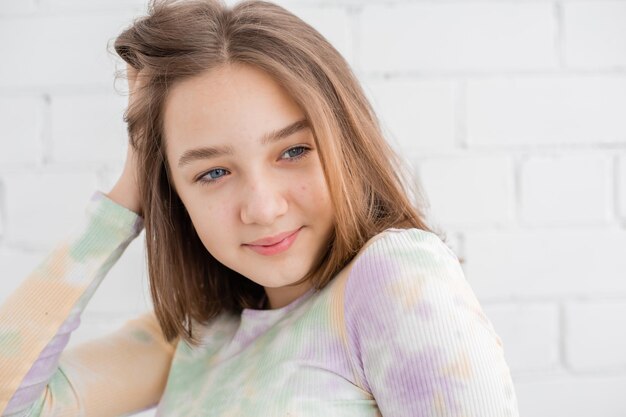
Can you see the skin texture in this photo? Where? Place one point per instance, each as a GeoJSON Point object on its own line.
{"type": "Point", "coordinates": [261, 190]}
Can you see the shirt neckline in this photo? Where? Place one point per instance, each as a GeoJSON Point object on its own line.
{"type": "Point", "coordinates": [255, 312]}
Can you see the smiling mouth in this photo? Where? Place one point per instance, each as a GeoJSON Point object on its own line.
{"type": "Point", "coordinates": [275, 248]}
{"type": "Point", "coordinates": [272, 240]}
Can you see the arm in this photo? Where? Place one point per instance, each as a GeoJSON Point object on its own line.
{"type": "Point", "coordinates": [37, 319]}
{"type": "Point", "coordinates": [423, 345]}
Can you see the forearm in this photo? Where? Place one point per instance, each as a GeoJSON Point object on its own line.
{"type": "Point", "coordinates": [36, 314]}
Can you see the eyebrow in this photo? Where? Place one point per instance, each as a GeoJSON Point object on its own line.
{"type": "Point", "coordinates": [208, 152]}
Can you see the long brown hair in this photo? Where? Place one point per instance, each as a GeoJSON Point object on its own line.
{"type": "Point", "coordinates": [368, 183]}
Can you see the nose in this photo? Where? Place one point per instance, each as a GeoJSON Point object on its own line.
{"type": "Point", "coordinates": [262, 202]}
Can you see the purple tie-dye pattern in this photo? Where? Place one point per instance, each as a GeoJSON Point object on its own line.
{"type": "Point", "coordinates": [419, 333]}
{"type": "Point", "coordinates": [42, 370]}
{"type": "Point", "coordinates": [423, 368]}
{"type": "Point", "coordinates": [397, 333]}
{"type": "Point", "coordinates": [55, 283]}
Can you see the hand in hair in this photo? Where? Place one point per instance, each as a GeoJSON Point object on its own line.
{"type": "Point", "coordinates": [126, 190]}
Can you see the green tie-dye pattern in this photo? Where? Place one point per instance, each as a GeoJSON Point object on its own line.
{"type": "Point", "coordinates": [95, 243]}
{"type": "Point", "coordinates": [142, 336]}
{"type": "Point", "coordinates": [299, 361]}
{"type": "Point", "coordinates": [278, 374]}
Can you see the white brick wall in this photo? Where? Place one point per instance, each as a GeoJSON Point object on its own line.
{"type": "Point", "coordinates": [22, 121]}
{"type": "Point", "coordinates": [620, 187]}
{"type": "Point", "coordinates": [595, 35]}
{"type": "Point", "coordinates": [470, 191]}
{"type": "Point", "coordinates": [455, 37]}
{"type": "Point", "coordinates": [546, 110]}
{"type": "Point", "coordinates": [512, 114]}
{"type": "Point", "coordinates": [559, 264]}
{"type": "Point", "coordinates": [417, 114]}
{"type": "Point", "coordinates": [561, 190]}
{"type": "Point", "coordinates": [606, 353]}
{"type": "Point", "coordinates": [529, 331]}
{"type": "Point", "coordinates": [86, 129]}
{"type": "Point", "coordinates": [573, 395]}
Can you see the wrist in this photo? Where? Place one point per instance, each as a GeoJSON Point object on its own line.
{"type": "Point", "coordinates": [126, 195]}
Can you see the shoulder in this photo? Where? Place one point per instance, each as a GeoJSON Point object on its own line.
{"type": "Point", "coordinates": [401, 270]}
{"type": "Point", "coordinates": [397, 282]}
{"type": "Point", "coordinates": [414, 326]}
{"type": "Point", "coordinates": [404, 271]}
{"type": "Point", "coordinates": [408, 239]}
{"type": "Point", "coordinates": [398, 251]}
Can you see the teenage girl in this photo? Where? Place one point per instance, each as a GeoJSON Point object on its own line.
{"type": "Point", "coordinates": [291, 270]}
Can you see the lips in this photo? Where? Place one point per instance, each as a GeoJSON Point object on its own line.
{"type": "Point", "coordinates": [272, 240]}
{"type": "Point", "coordinates": [279, 247]}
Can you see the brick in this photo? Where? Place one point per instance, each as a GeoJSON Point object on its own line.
{"type": "Point", "coordinates": [595, 34]}
{"type": "Point", "coordinates": [597, 322]}
{"type": "Point", "coordinates": [572, 396]}
{"type": "Point", "coordinates": [8, 7]}
{"type": "Point", "coordinates": [540, 110]}
{"type": "Point", "coordinates": [539, 263]}
{"type": "Point", "coordinates": [22, 121]}
{"type": "Point", "coordinates": [621, 185]}
{"type": "Point", "coordinates": [457, 37]}
{"type": "Point", "coordinates": [530, 334]}
{"type": "Point", "coordinates": [46, 54]}
{"type": "Point", "coordinates": [332, 22]}
{"type": "Point", "coordinates": [137, 6]}
{"type": "Point", "coordinates": [468, 191]}
{"type": "Point", "coordinates": [565, 190]}
{"type": "Point", "coordinates": [41, 206]}
{"type": "Point", "coordinates": [88, 128]}
{"type": "Point", "coordinates": [417, 115]}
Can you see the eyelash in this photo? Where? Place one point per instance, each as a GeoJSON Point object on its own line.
{"type": "Point", "coordinates": [203, 181]}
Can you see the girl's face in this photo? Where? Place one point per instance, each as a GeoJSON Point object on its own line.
{"type": "Point", "coordinates": [245, 164]}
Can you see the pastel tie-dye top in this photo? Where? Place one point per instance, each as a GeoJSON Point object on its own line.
{"type": "Point", "coordinates": [398, 332]}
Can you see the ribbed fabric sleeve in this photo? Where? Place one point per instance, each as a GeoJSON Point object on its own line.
{"type": "Point", "coordinates": [422, 344]}
{"type": "Point", "coordinates": [36, 377]}
{"type": "Point", "coordinates": [398, 332]}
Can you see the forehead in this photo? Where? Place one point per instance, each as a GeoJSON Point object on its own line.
{"type": "Point", "coordinates": [227, 105]}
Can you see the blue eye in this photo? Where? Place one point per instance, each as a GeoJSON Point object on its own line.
{"type": "Point", "coordinates": [211, 176]}
{"type": "Point", "coordinates": [297, 152]}
{"type": "Point", "coordinates": [215, 174]}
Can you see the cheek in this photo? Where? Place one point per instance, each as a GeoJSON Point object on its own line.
{"type": "Point", "coordinates": [210, 218]}
{"type": "Point", "coordinates": [214, 230]}
{"type": "Point", "coordinates": [313, 193]}
{"type": "Point", "coordinates": [305, 190]}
